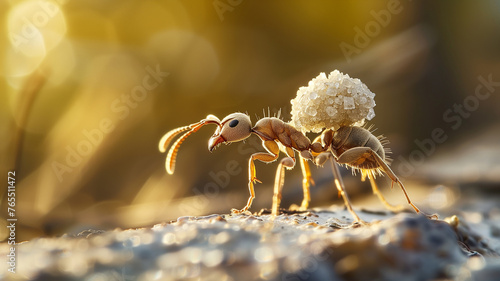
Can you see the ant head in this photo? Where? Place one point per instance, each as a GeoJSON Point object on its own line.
{"type": "Point", "coordinates": [234, 127]}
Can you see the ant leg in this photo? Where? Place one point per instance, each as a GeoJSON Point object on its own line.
{"type": "Point", "coordinates": [320, 159]}
{"type": "Point", "coordinates": [357, 153]}
{"type": "Point", "coordinates": [289, 163]}
{"type": "Point", "coordinates": [271, 156]}
{"type": "Point", "coordinates": [306, 183]}
{"type": "Point", "coordinates": [394, 178]}
{"type": "Point", "coordinates": [339, 183]}
{"type": "Point", "coordinates": [377, 192]}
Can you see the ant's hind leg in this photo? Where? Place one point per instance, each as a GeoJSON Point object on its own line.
{"type": "Point", "coordinates": [355, 154]}
{"type": "Point", "coordinates": [394, 178]}
{"type": "Point", "coordinates": [376, 191]}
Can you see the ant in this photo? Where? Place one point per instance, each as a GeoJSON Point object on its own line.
{"type": "Point", "coordinates": [352, 146]}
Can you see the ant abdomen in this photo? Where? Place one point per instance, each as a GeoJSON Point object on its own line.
{"type": "Point", "coordinates": [349, 137]}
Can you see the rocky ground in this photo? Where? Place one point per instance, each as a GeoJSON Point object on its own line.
{"type": "Point", "coordinates": [321, 244]}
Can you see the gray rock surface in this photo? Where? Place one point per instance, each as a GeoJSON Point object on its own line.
{"type": "Point", "coordinates": [315, 245]}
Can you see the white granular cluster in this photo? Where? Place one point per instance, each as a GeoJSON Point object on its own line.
{"type": "Point", "coordinates": [331, 102]}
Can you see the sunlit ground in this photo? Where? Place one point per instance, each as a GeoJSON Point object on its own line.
{"type": "Point", "coordinates": [89, 87]}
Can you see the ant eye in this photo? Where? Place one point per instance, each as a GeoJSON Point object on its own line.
{"type": "Point", "coordinates": [233, 123]}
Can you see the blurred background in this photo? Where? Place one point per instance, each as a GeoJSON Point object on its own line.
{"type": "Point", "coordinates": [88, 88]}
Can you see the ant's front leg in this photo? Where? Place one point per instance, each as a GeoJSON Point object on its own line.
{"type": "Point", "coordinates": [273, 151]}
